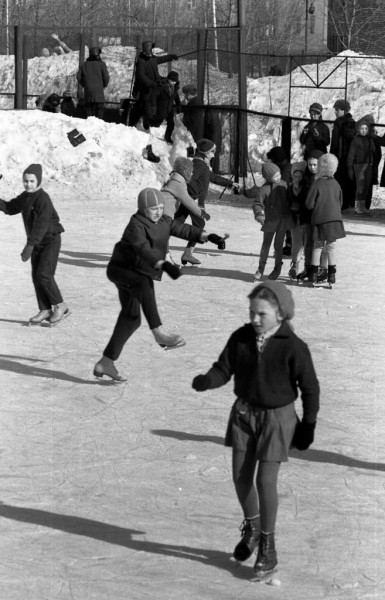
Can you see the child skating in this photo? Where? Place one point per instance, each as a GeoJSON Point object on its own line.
{"type": "Point", "coordinates": [43, 229]}
{"type": "Point", "coordinates": [270, 364]}
{"type": "Point", "coordinates": [271, 209]}
{"type": "Point", "coordinates": [325, 201]}
{"type": "Point", "coordinates": [137, 260]}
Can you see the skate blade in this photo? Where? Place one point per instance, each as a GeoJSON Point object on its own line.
{"type": "Point", "coordinates": [178, 345]}
{"type": "Point", "coordinates": [268, 578]}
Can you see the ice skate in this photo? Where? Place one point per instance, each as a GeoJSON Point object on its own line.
{"type": "Point", "coordinates": [60, 312]}
{"type": "Point", "coordinates": [276, 272]}
{"type": "Point", "coordinates": [43, 315]}
{"type": "Point", "coordinates": [322, 277]}
{"type": "Point", "coordinates": [266, 563]}
{"type": "Point", "coordinates": [331, 276]}
{"type": "Point", "coordinates": [250, 532]}
{"type": "Point", "coordinates": [187, 257]}
{"type": "Point", "coordinates": [168, 341]}
{"type": "Point", "coordinates": [293, 271]}
{"type": "Point", "coordinates": [105, 367]}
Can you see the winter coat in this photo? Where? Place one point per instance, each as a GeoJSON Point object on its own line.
{"type": "Point", "coordinates": [324, 199]}
{"type": "Point", "coordinates": [166, 98]}
{"type": "Point", "coordinates": [144, 243]}
{"type": "Point", "coordinates": [270, 379]}
{"type": "Point", "coordinates": [297, 206]}
{"type": "Point", "coordinates": [175, 193]}
{"type": "Point", "coordinates": [146, 72]}
{"type": "Point", "coordinates": [343, 132]}
{"type": "Point", "coordinates": [198, 186]}
{"type": "Point", "coordinates": [361, 151]}
{"type": "Point", "coordinates": [41, 221]}
{"type": "Point", "coordinates": [272, 201]}
{"type": "Point", "coordinates": [312, 141]}
{"type": "Point", "coordinates": [68, 107]}
{"type": "Point", "coordinates": [193, 118]}
{"type": "Point", "coordinates": [93, 76]}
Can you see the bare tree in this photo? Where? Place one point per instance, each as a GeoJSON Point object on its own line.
{"type": "Point", "coordinates": [357, 25]}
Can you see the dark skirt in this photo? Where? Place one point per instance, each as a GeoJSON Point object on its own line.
{"type": "Point", "coordinates": [328, 232]}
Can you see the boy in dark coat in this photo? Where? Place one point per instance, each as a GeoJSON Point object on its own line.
{"type": "Point", "coordinates": [362, 157]}
{"type": "Point", "coordinates": [344, 130]}
{"type": "Point", "coordinates": [43, 229]}
{"type": "Point", "coordinates": [167, 102]}
{"type": "Point", "coordinates": [193, 117]}
{"type": "Point", "coordinates": [94, 77]}
{"type": "Point", "coordinates": [316, 134]}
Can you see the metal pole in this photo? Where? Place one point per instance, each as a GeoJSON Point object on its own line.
{"type": "Point", "coordinates": [242, 137]}
{"type": "Point", "coordinates": [25, 71]}
{"type": "Point", "coordinates": [306, 24]}
{"type": "Point", "coordinates": [18, 101]}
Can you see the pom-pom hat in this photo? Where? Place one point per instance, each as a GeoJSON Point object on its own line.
{"type": "Point", "coordinates": [149, 198]}
{"type": "Point", "coordinates": [34, 169]}
{"type": "Point", "coordinates": [283, 295]}
{"type": "Point", "coordinates": [204, 145]}
{"type": "Point", "coordinates": [269, 170]}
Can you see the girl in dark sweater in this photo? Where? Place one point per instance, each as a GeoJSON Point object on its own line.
{"type": "Point", "coordinates": [269, 364]}
{"type": "Point", "coordinates": [43, 230]}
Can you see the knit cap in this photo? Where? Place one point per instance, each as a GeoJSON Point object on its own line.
{"type": "Point", "coordinates": [149, 198]}
{"type": "Point", "coordinates": [189, 88]}
{"type": "Point", "coordinates": [269, 170]}
{"type": "Point", "coordinates": [342, 105]}
{"type": "Point", "coordinates": [315, 107]}
{"type": "Point", "coordinates": [147, 46]}
{"type": "Point", "coordinates": [204, 145]}
{"type": "Point", "coordinates": [327, 165]}
{"type": "Point", "coordinates": [277, 154]}
{"type": "Point", "coordinates": [35, 169]}
{"type": "Point", "coordinates": [95, 51]}
{"type": "Point", "coordinates": [173, 76]}
{"type": "Point", "coordinates": [298, 166]}
{"type": "Point", "coordinates": [316, 154]}
{"type": "Point", "coordinates": [184, 167]}
{"type": "Point", "coordinates": [283, 295]}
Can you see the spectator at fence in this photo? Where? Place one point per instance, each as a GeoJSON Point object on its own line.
{"type": "Point", "coordinates": [360, 160]}
{"type": "Point", "coordinates": [67, 105]}
{"type": "Point", "coordinates": [193, 117]}
{"type": "Point", "coordinates": [343, 132]}
{"type": "Point", "coordinates": [93, 76]}
{"type": "Point", "coordinates": [48, 103]}
{"type": "Point", "coordinates": [147, 80]}
{"type": "Point", "coordinates": [316, 134]}
{"type": "Point", "coordinates": [167, 102]}
{"type": "Point", "coordinates": [277, 155]}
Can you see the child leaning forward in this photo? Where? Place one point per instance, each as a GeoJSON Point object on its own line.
{"type": "Point", "coordinates": [269, 364]}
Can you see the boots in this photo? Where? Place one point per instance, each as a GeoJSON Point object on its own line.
{"type": "Point", "coordinates": [303, 275]}
{"type": "Point", "coordinates": [60, 312]}
{"type": "Point", "coordinates": [358, 208]}
{"type": "Point", "coordinates": [259, 273]}
{"type": "Point", "coordinates": [167, 340]}
{"type": "Point", "coordinates": [276, 271]}
{"type": "Point", "coordinates": [267, 556]}
{"type": "Point", "coordinates": [332, 275]}
{"type": "Point", "coordinates": [187, 257]}
{"type": "Point", "coordinates": [313, 272]}
{"type": "Point", "coordinates": [105, 366]}
{"type": "Point", "coordinates": [293, 270]}
{"type": "Point", "coordinates": [250, 532]}
{"type": "Point", "coordinates": [151, 156]}
{"type": "Point", "coordinates": [322, 275]}
{"type": "Point", "coordinates": [40, 317]}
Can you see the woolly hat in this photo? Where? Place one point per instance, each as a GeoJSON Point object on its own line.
{"type": "Point", "coordinates": [205, 145]}
{"type": "Point", "coordinates": [173, 76]}
{"type": "Point", "coordinates": [35, 169]}
{"type": "Point", "coordinates": [95, 51]}
{"type": "Point", "coordinates": [147, 46]}
{"type": "Point", "coordinates": [315, 107]}
{"type": "Point", "coordinates": [327, 165]}
{"type": "Point", "coordinates": [269, 170]}
{"type": "Point", "coordinates": [342, 105]}
{"type": "Point", "coordinates": [316, 153]}
{"type": "Point", "coordinates": [277, 154]}
{"type": "Point", "coordinates": [149, 198]}
{"type": "Point", "coordinates": [184, 167]}
{"type": "Point", "coordinates": [189, 89]}
{"type": "Point", "coordinates": [366, 120]}
{"type": "Point", "coordinates": [283, 295]}
{"type": "Point", "coordinates": [298, 166]}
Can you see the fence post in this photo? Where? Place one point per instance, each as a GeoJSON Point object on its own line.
{"type": "Point", "coordinates": [18, 101]}
{"type": "Point", "coordinates": [81, 61]}
{"type": "Point", "coordinates": [242, 138]}
{"type": "Point", "coordinates": [286, 135]}
{"type": "Point", "coordinates": [25, 71]}
{"type": "Point", "coordinates": [201, 65]}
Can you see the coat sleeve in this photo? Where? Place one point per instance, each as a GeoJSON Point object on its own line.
{"type": "Point", "coordinates": [142, 77]}
{"type": "Point", "coordinates": [13, 207]}
{"type": "Point", "coordinates": [186, 232]}
{"type": "Point", "coordinates": [42, 208]}
{"type": "Point", "coordinates": [223, 369]}
{"type": "Point", "coordinates": [311, 197]}
{"type": "Point", "coordinates": [180, 192]}
{"type": "Point", "coordinates": [258, 205]}
{"type": "Point", "coordinates": [80, 76]}
{"type": "Point", "coordinates": [105, 75]}
{"type": "Point", "coordinates": [219, 180]}
{"type": "Point", "coordinates": [308, 384]}
{"type": "Point", "coordinates": [351, 154]}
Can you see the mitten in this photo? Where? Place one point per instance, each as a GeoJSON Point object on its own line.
{"type": "Point", "coordinates": [26, 253]}
{"type": "Point", "coordinates": [217, 240]}
{"type": "Point", "coordinates": [205, 215]}
{"type": "Point", "coordinates": [201, 383]}
{"type": "Point", "coordinates": [303, 435]}
{"type": "Point", "coordinates": [172, 270]}
{"type": "Point", "coordinates": [351, 173]}
{"type": "Point", "coordinates": [260, 219]}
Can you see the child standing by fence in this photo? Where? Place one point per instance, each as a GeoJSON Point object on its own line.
{"type": "Point", "coordinates": [269, 364]}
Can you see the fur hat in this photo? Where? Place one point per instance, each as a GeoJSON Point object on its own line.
{"type": "Point", "coordinates": [298, 166]}
{"type": "Point", "coordinates": [95, 51]}
{"type": "Point", "coordinates": [189, 89]}
{"type": "Point", "coordinates": [277, 154]}
{"type": "Point", "coordinates": [149, 198]}
{"type": "Point", "coordinates": [315, 107]}
{"type": "Point", "coordinates": [269, 170]}
{"type": "Point", "coordinates": [184, 167]}
{"type": "Point", "coordinates": [342, 105]}
{"type": "Point", "coordinates": [316, 153]}
{"type": "Point", "coordinates": [366, 120]}
{"type": "Point", "coordinates": [173, 76]}
{"type": "Point", "coordinates": [327, 165]}
{"type": "Point", "coordinates": [147, 46]}
{"type": "Point", "coordinates": [204, 145]}
{"type": "Point", "coordinates": [35, 169]}
{"type": "Point", "coordinates": [283, 295]}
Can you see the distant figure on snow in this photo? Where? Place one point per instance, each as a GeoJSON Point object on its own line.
{"type": "Point", "coordinates": [94, 77]}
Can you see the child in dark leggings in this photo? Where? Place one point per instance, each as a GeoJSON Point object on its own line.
{"type": "Point", "coordinates": [269, 364]}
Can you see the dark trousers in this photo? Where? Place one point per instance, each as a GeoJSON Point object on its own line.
{"type": "Point", "coordinates": [348, 186]}
{"type": "Point", "coordinates": [95, 109]}
{"type": "Point", "coordinates": [135, 291]}
{"type": "Point", "coordinates": [181, 215]}
{"type": "Point", "coordinates": [44, 261]}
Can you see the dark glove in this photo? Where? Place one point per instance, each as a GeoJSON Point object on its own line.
{"type": "Point", "coordinates": [26, 254]}
{"type": "Point", "coordinates": [201, 383]}
{"type": "Point", "coordinates": [303, 435]}
{"type": "Point", "coordinates": [351, 173]}
{"type": "Point", "coordinates": [2, 205]}
{"type": "Point", "coordinates": [174, 57]}
{"type": "Point", "coordinates": [205, 215]}
{"type": "Point", "coordinates": [172, 270]}
{"type": "Point", "coordinates": [217, 240]}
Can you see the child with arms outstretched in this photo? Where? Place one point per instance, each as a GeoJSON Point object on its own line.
{"type": "Point", "coordinates": [269, 364]}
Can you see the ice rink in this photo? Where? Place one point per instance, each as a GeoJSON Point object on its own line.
{"type": "Point", "coordinates": [124, 491]}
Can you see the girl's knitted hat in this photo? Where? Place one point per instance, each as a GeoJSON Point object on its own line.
{"type": "Point", "coordinates": [184, 167]}
{"type": "Point", "coordinates": [204, 145]}
{"type": "Point", "coordinates": [283, 295]}
{"type": "Point", "coordinates": [35, 169]}
{"type": "Point", "coordinates": [316, 107]}
{"type": "Point", "coordinates": [327, 165]}
{"type": "Point", "coordinates": [298, 166]}
{"type": "Point", "coordinates": [269, 170]}
{"type": "Point", "coordinates": [149, 198]}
